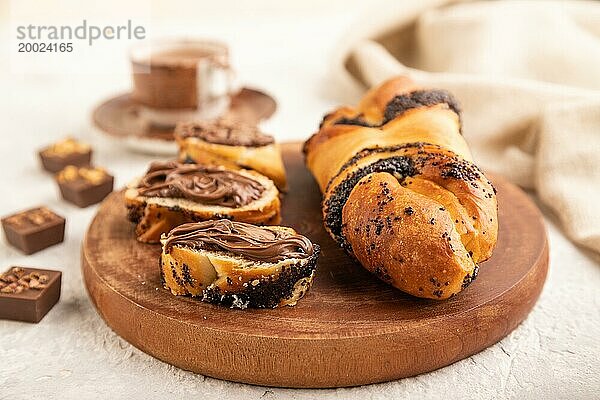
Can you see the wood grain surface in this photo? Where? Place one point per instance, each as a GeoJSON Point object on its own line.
{"type": "Point", "coordinates": [119, 116]}
{"type": "Point", "coordinates": [350, 329]}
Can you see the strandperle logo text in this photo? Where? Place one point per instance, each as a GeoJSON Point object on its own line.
{"type": "Point", "coordinates": [83, 31]}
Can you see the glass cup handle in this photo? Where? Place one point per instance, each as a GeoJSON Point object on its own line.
{"type": "Point", "coordinates": [215, 81]}
{"type": "Point", "coordinates": [234, 83]}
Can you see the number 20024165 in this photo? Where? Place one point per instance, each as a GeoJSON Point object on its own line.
{"type": "Point", "coordinates": [28, 47]}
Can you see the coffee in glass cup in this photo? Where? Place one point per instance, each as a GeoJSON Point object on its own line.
{"type": "Point", "coordinates": [181, 80]}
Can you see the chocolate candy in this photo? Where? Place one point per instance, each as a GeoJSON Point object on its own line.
{"type": "Point", "coordinates": [84, 186]}
{"type": "Point", "coordinates": [34, 229]}
{"type": "Point", "coordinates": [66, 152]}
{"type": "Point", "coordinates": [27, 294]}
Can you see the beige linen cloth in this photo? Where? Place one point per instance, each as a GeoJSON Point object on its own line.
{"type": "Point", "coordinates": [527, 74]}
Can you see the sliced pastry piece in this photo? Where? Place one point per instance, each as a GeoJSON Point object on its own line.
{"type": "Point", "coordinates": [237, 264]}
{"type": "Point", "coordinates": [231, 143]}
{"type": "Point", "coordinates": [171, 194]}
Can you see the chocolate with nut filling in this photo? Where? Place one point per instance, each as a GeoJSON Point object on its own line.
{"type": "Point", "coordinates": [226, 132]}
{"type": "Point", "coordinates": [66, 152]}
{"type": "Point", "coordinates": [27, 294]}
{"type": "Point", "coordinates": [34, 229]}
{"type": "Point", "coordinates": [84, 186]}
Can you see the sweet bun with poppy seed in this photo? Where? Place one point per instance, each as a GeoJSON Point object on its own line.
{"type": "Point", "coordinates": [172, 193]}
{"type": "Point", "coordinates": [238, 265]}
{"type": "Point", "coordinates": [400, 190]}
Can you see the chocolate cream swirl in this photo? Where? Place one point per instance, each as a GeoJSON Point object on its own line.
{"type": "Point", "coordinates": [202, 184]}
{"type": "Point", "coordinates": [250, 241]}
{"type": "Point", "coordinates": [226, 132]}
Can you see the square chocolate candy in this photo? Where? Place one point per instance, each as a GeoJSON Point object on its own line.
{"type": "Point", "coordinates": [84, 186]}
{"type": "Point", "coordinates": [66, 152]}
{"type": "Point", "coordinates": [34, 229]}
{"type": "Point", "coordinates": [27, 294]}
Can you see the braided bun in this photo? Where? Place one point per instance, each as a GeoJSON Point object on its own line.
{"type": "Point", "coordinates": [401, 192]}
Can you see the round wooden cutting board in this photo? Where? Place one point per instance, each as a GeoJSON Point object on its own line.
{"type": "Point", "coordinates": [350, 329]}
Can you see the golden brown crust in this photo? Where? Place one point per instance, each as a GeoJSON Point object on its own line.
{"type": "Point", "coordinates": [334, 145]}
{"type": "Point", "coordinates": [455, 184]}
{"type": "Point", "coordinates": [402, 149]}
{"type": "Point", "coordinates": [407, 242]}
{"type": "Point", "coordinates": [154, 216]}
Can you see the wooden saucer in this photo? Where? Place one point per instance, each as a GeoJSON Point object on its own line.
{"type": "Point", "coordinates": [350, 329]}
{"type": "Point", "coordinates": [119, 118]}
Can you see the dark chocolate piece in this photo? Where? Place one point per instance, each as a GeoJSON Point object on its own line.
{"type": "Point", "coordinates": [34, 229]}
{"type": "Point", "coordinates": [27, 294]}
{"type": "Point", "coordinates": [67, 152]}
{"type": "Point", "coordinates": [84, 186]}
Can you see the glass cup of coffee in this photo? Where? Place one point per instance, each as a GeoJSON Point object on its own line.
{"type": "Point", "coordinates": [181, 80]}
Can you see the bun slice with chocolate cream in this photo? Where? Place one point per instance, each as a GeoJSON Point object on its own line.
{"type": "Point", "coordinates": [231, 143]}
{"type": "Point", "coordinates": [237, 264]}
{"type": "Point", "coordinates": [172, 193]}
